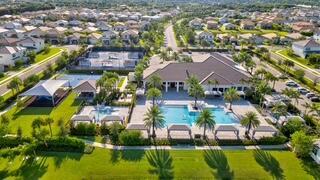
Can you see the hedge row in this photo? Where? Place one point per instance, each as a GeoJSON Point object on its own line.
{"type": "Point", "coordinates": [10, 142]}
{"type": "Point", "coordinates": [61, 145]}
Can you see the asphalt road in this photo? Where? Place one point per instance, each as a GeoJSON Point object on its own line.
{"type": "Point", "coordinates": [36, 69]}
{"type": "Point", "coordinates": [309, 74]}
{"type": "Point", "coordinates": [170, 40]}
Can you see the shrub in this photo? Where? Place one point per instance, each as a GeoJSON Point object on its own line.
{"type": "Point", "coordinates": [104, 129]}
{"type": "Point", "coordinates": [84, 129]}
{"type": "Point", "coordinates": [131, 138]}
{"type": "Point", "coordinates": [10, 142]}
{"type": "Point", "coordinates": [292, 126]}
{"type": "Point", "coordinates": [1, 74]}
{"type": "Point", "coordinates": [61, 145]}
{"type": "Point", "coordinates": [114, 131]}
{"type": "Point", "coordinates": [272, 140]}
{"type": "Point", "coordinates": [301, 143]}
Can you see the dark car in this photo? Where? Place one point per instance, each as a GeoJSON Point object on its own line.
{"type": "Point", "coordinates": [315, 99]}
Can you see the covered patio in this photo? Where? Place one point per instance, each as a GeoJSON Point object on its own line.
{"type": "Point", "coordinates": [264, 129]}
{"type": "Point", "coordinates": [227, 128]}
{"type": "Point", "coordinates": [46, 93]}
{"type": "Point", "coordinates": [86, 89]}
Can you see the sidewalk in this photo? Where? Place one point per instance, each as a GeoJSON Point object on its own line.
{"type": "Point", "coordinates": [31, 67]}
{"type": "Point", "coordinates": [188, 147]}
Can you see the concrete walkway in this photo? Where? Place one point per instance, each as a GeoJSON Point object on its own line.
{"type": "Point", "coordinates": [188, 147]}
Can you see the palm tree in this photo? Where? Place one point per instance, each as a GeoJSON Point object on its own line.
{"type": "Point", "coordinates": [263, 88]}
{"type": "Point", "coordinates": [206, 119]}
{"type": "Point", "coordinates": [49, 121]}
{"type": "Point", "coordinates": [270, 77]}
{"type": "Point", "coordinates": [169, 49]}
{"type": "Point", "coordinates": [279, 109]}
{"type": "Point", "coordinates": [292, 94]}
{"type": "Point", "coordinates": [175, 56]}
{"type": "Point", "coordinates": [314, 108]}
{"type": "Point", "coordinates": [155, 81]}
{"type": "Point", "coordinates": [154, 118]}
{"type": "Point", "coordinates": [307, 107]}
{"type": "Point", "coordinates": [153, 94]}
{"type": "Point", "coordinates": [250, 120]}
{"type": "Point", "coordinates": [213, 82]}
{"type": "Point", "coordinates": [196, 91]}
{"type": "Point", "coordinates": [15, 84]}
{"type": "Point", "coordinates": [164, 56]}
{"type": "Point", "coordinates": [231, 95]}
{"type": "Point", "coordinates": [36, 123]}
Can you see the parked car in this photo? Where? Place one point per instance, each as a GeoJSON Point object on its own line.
{"type": "Point", "coordinates": [315, 99]}
{"type": "Point", "coordinates": [310, 95]}
{"type": "Point", "coordinates": [303, 90]}
{"type": "Point", "coordinates": [291, 84]}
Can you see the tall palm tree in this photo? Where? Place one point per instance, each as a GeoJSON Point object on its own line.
{"type": "Point", "coordinates": [213, 82]}
{"type": "Point", "coordinates": [250, 120]}
{"type": "Point", "coordinates": [205, 120]}
{"type": "Point", "coordinates": [196, 91]}
{"type": "Point", "coordinates": [279, 109]}
{"type": "Point", "coordinates": [36, 123]}
{"type": "Point", "coordinates": [49, 121]}
{"type": "Point", "coordinates": [175, 56]}
{"type": "Point", "coordinates": [263, 88]}
{"type": "Point", "coordinates": [153, 94]}
{"type": "Point", "coordinates": [155, 81]}
{"type": "Point", "coordinates": [231, 95]}
{"type": "Point", "coordinates": [270, 77]}
{"type": "Point", "coordinates": [307, 108]}
{"type": "Point", "coordinates": [15, 84]}
{"type": "Point", "coordinates": [292, 94]}
{"type": "Point", "coordinates": [154, 118]}
{"type": "Point", "coordinates": [164, 56]}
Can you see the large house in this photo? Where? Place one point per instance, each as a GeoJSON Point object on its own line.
{"type": "Point", "coordinates": [10, 54]}
{"type": "Point", "coordinates": [35, 44]}
{"type": "Point", "coordinates": [306, 47]}
{"type": "Point", "coordinates": [215, 68]}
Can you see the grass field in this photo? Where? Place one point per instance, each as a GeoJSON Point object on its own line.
{"type": "Point", "coordinates": [41, 56]}
{"type": "Point", "coordinates": [113, 164]}
{"type": "Point", "coordinates": [296, 58]}
{"type": "Point", "coordinates": [24, 117]}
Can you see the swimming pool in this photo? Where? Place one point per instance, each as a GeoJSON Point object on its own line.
{"type": "Point", "coordinates": [181, 115]}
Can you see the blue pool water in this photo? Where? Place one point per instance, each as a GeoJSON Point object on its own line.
{"type": "Point", "coordinates": [181, 115]}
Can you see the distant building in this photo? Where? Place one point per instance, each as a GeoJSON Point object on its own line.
{"type": "Point", "coordinates": [306, 47]}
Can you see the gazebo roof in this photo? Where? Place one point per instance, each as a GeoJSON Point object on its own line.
{"type": "Point", "coordinates": [86, 86]}
{"type": "Point", "coordinates": [265, 129]}
{"type": "Point", "coordinates": [45, 88]}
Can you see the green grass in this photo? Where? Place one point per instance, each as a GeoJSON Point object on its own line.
{"type": "Point", "coordinates": [113, 164]}
{"type": "Point", "coordinates": [24, 117]}
{"type": "Point", "coordinates": [42, 56]}
{"type": "Point", "coordinates": [296, 58]}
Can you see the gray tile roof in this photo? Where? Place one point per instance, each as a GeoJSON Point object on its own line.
{"type": "Point", "coordinates": [215, 67]}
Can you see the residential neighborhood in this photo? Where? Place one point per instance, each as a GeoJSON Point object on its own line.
{"type": "Point", "coordinates": [182, 89]}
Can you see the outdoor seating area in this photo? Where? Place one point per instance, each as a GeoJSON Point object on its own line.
{"type": "Point", "coordinates": [47, 93]}
{"type": "Point", "coordinates": [179, 128]}
{"type": "Point", "coordinates": [226, 128]}
{"type": "Point", "coordinates": [264, 129]}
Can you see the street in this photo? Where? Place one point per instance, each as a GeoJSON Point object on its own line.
{"type": "Point", "coordinates": [170, 40]}
{"type": "Point", "coordinates": [35, 69]}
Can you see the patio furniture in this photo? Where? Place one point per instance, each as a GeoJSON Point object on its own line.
{"type": "Point", "coordinates": [227, 128]}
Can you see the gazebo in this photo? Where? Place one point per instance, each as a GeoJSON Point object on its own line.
{"type": "Point", "coordinates": [47, 90]}
{"type": "Point", "coordinates": [262, 129]}
{"type": "Point", "coordinates": [227, 128]}
{"type": "Point", "coordinates": [86, 88]}
{"type": "Point", "coordinates": [179, 127]}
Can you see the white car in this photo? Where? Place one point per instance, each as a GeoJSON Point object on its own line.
{"type": "Point", "coordinates": [291, 84]}
{"type": "Point", "coordinates": [303, 90]}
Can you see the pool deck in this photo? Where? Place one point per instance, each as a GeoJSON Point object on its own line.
{"type": "Point", "coordinates": [173, 98]}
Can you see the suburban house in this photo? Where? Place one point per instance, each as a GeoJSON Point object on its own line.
{"type": "Point", "coordinates": [4, 41]}
{"type": "Point", "coordinates": [216, 67]}
{"type": "Point", "coordinates": [103, 26]}
{"type": "Point", "coordinates": [295, 36]}
{"type": "Point", "coordinates": [205, 36]}
{"type": "Point", "coordinates": [229, 26]}
{"type": "Point", "coordinates": [265, 25]}
{"type": "Point", "coordinates": [247, 25]}
{"type": "Point", "coordinates": [316, 35]}
{"type": "Point", "coordinates": [35, 44]}
{"type": "Point", "coordinates": [252, 38]}
{"type": "Point", "coordinates": [196, 23]}
{"type": "Point", "coordinates": [107, 37]}
{"type": "Point", "coordinates": [10, 54]}
{"type": "Point", "coordinates": [302, 27]}
{"type": "Point", "coordinates": [13, 25]}
{"type": "Point", "coordinates": [94, 38]}
{"type": "Point", "coordinates": [271, 38]}
{"type": "Point", "coordinates": [38, 32]}
{"type": "Point", "coordinates": [212, 25]}
{"type": "Point", "coordinates": [129, 35]}
{"type": "Point", "coordinates": [3, 32]}
{"type": "Point", "coordinates": [120, 27]}
{"type": "Point", "coordinates": [306, 47]}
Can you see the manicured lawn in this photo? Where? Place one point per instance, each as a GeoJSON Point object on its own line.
{"type": "Point", "coordinates": [296, 58]}
{"type": "Point", "coordinates": [24, 118]}
{"type": "Point", "coordinates": [113, 164]}
{"type": "Point", "coordinates": [280, 33]}
{"type": "Point", "coordinates": [53, 51]}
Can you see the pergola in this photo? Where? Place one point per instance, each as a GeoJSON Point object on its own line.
{"type": "Point", "coordinates": [264, 129]}
{"type": "Point", "coordinates": [82, 118]}
{"type": "Point", "coordinates": [140, 127]}
{"type": "Point", "coordinates": [179, 127]}
{"type": "Point", "coordinates": [86, 87]}
{"type": "Point", "coordinates": [45, 88]}
{"type": "Point", "coordinates": [227, 128]}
